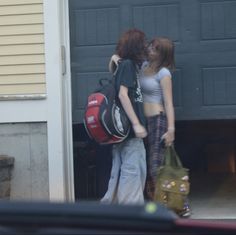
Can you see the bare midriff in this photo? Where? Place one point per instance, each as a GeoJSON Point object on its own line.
{"type": "Point", "coordinates": [152, 109]}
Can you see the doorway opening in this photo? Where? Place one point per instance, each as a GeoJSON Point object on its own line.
{"type": "Point", "coordinates": [208, 149]}
{"type": "Point", "coordinates": [92, 165]}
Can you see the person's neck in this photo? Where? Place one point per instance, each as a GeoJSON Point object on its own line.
{"type": "Point", "coordinates": [151, 68]}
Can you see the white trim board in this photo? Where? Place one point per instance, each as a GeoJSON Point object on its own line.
{"type": "Point", "coordinates": [67, 103]}
{"type": "Point", "coordinates": [58, 80]}
{"type": "Point", "coordinates": [54, 100]}
{"type": "Point", "coordinates": [23, 111]}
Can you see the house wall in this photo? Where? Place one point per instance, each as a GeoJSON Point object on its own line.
{"type": "Point", "coordinates": [21, 48]}
{"type": "Point", "coordinates": [23, 101]}
{"type": "Point", "coordinates": [27, 143]}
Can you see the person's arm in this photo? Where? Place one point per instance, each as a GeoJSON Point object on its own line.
{"type": "Point", "coordinates": [166, 84]}
{"type": "Point", "coordinates": [113, 63]}
{"type": "Point", "coordinates": [139, 130]}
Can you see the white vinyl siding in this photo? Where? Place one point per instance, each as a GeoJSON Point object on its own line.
{"type": "Point", "coordinates": [22, 62]}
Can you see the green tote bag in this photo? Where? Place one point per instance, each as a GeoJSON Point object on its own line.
{"type": "Point", "coordinates": [172, 186]}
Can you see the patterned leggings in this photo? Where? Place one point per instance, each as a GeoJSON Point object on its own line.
{"type": "Point", "coordinates": [157, 126]}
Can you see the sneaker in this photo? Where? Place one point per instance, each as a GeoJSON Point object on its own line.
{"type": "Point", "coordinates": [185, 213]}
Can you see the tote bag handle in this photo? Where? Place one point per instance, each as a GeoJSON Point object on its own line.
{"type": "Point", "coordinates": [171, 158]}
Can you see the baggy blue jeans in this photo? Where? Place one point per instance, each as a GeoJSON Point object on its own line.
{"type": "Point", "coordinates": [128, 173]}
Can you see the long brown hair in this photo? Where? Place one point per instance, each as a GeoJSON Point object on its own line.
{"type": "Point", "coordinates": [131, 45]}
{"type": "Point", "coordinates": [163, 55]}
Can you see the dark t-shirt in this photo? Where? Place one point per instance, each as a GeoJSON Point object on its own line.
{"type": "Point", "coordinates": [126, 75]}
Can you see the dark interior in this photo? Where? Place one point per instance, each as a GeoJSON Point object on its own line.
{"type": "Point", "coordinates": [203, 146]}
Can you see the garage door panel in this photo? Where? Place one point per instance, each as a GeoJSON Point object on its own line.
{"type": "Point", "coordinates": [89, 82]}
{"type": "Point", "coordinates": [91, 58]}
{"type": "Point", "coordinates": [208, 113]}
{"type": "Point", "coordinates": [215, 112]}
{"type": "Point", "coordinates": [216, 59]}
{"type": "Point", "coordinates": [219, 85]}
{"type": "Point", "coordinates": [208, 79]}
{"type": "Point", "coordinates": [204, 32]}
{"type": "Point", "coordinates": [158, 19]}
{"type": "Point", "coordinates": [177, 80]}
{"type": "Point", "coordinates": [218, 20]}
{"type": "Point", "coordinates": [96, 64]}
{"type": "Point", "coordinates": [84, 84]}
{"type": "Point", "coordinates": [105, 25]}
{"type": "Point", "coordinates": [87, 4]}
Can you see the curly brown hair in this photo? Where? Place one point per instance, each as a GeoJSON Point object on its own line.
{"type": "Point", "coordinates": [132, 45]}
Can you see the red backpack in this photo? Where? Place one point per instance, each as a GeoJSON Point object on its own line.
{"type": "Point", "coordinates": [105, 119]}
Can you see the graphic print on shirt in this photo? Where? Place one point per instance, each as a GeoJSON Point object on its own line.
{"type": "Point", "coordinates": [138, 95]}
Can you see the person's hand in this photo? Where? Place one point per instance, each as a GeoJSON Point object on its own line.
{"type": "Point", "coordinates": [139, 130]}
{"type": "Point", "coordinates": [115, 58]}
{"type": "Point", "coordinates": [169, 137]}
{"type": "Point", "coordinates": [113, 63]}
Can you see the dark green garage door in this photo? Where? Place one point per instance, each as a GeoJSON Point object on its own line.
{"type": "Point", "coordinates": [204, 33]}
